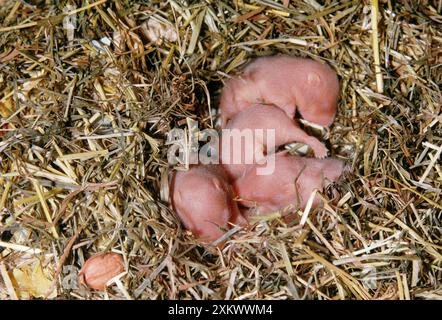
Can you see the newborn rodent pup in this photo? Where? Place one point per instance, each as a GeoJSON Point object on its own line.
{"type": "Point", "coordinates": [292, 182]}
{"type": "Point", "coordinates": [262, 117]}
{"type": "Point", "coordinates": [203, 200]}
{"type": "Point", "coordinates": [291, 83]}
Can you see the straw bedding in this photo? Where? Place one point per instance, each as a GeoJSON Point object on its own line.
{"type": "Point", "coordinates": [89, 91]}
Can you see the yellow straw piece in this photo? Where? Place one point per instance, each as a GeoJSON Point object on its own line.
{"type": "Point", "coordinates": [83, 155]}
{"type": "Point", "coordinates": [375, 39]}
{"type": "Point", "coordinates": [44, 205]}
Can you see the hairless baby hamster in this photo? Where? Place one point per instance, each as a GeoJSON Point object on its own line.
{"type": "Point", "coordinates": [203, 200]}
{"type": "Point", "coordinates": [291, 83]}
{"type": "Point", "coordinates": [265, 117]}
{"type": "Point", "coordinates": [292, 182]}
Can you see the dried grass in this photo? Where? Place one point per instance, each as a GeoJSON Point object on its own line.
{"type": "Point", "coordinates": [83, 154]}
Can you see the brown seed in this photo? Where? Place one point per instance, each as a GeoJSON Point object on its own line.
{"type": "Point", "coordinates": [99, 269]}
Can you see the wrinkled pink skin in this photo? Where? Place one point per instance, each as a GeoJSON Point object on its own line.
{"type": "Point", "coordinates": [203, 200]}
{"type": "Point", "coordinates": [293, 181]}
{"type": "Point", "coordinates": [290, 83]}
{"type": "Point", "coordinates": [265, 117]}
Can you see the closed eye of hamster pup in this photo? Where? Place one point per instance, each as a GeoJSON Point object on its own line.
{"type": "Point", "coordinates": [291, 83]}
{"type": "Point", "coordinates": [262, 117]}
{"type": "Point", "coordinates": [203, 200]}
{"type": "Point", "coordinates": [292, 182]}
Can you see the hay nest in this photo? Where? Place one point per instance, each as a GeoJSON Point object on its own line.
{"type": "Point", "coordinates": [89, 90]}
